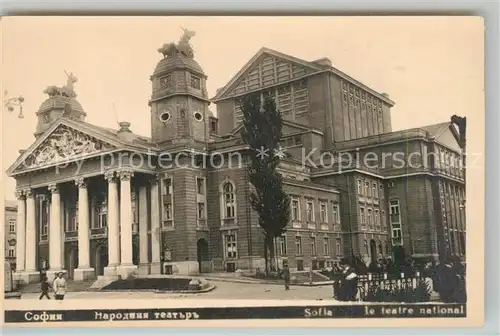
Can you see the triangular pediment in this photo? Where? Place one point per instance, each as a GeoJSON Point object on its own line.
{"type": "Point", "coordinates": [61, 143]}
{"type": "Point", "coordinates": [267, 68]}
{"type": "Point", "coordinates": [449, 137]}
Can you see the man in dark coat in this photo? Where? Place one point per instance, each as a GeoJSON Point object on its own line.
{"type": "Point", "coordinates": [45, 286]}
{"type": "Point", "coordinates": [286, 276]}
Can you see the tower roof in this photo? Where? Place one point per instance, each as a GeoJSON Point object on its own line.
{"type": "Point", "coordinates": [177, 61]}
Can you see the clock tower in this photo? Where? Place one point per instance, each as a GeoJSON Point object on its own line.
{"type": "Point", "coordinates": [179, 100]}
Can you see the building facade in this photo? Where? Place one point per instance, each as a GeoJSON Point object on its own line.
{"type": "Point", "coordinates": [10, 232]}
{"type": "Point", "coordinates": [96, 201]}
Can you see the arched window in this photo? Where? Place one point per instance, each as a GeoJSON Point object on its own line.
{"type": "Point", "coordinates": [229, 202]}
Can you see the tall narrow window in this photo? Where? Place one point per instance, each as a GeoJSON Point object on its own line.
{"type": "Point", "coordinates": [377, 218]}
{"type": "Point", "coordinates": [12, 226]}
{"type": "Point", "coordinates": [313, 245]}
{"type": "Point", "coordinates": [326, 247]}
{"type": "Point", "coordinates": [282, 245]}
{"type": "Point", "coordinates": [298, 245]}
{"type": "Point", "coordinates": [200, 186]}
{"type": "Point", "coordinates": [229, 203]}
{"type": "Point", "coordinates": [167, 211]}
{"type": "Point", "coordinates": [338, 247]}
{"type": "Point", "coordinates": [374, 190]}
{"type": "Point", "coordinates": [201, 210]}
{"type": "Point", "coordinates": [323, 212]}
{"type": "Point", "coordinates": [362, 216]}
{"type": "Point", "coordinates": [310, 210]}
{"type": "Point", "coordinates": [395, 220]}
{"type": "Point", "coordinates": [360, 191]}
{"type": "Point", "coordinates": [167, 186]}
{"type": "Point", "coordinates": [231, 250]}
{"type": "Point", "coordinates": [336, 214]}
{"type": "Point", "coordinates": [369, 217]}
{"type": "Point", "coordinates": [295, 208]}
{"type": "Point", "coordinates": [367, 188]}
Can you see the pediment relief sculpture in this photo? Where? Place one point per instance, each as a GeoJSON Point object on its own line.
{"type": "Point", "coordinates": [65, 144]}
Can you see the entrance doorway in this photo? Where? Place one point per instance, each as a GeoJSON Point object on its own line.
{"type": "Point", "coordinates": [203, 257]}
{"type": "Point", "coordinates": [101, 259]}
{"type": "Point", "coordinates": [71, 261]}
{"type": "Point", "coordinates": [373, 251]}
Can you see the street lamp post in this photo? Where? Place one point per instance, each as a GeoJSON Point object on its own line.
{"type": "Point", "coordinates": [13, 102]}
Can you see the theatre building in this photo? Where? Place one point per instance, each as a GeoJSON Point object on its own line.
{"type": "Point", "coordinates": [94, 201]}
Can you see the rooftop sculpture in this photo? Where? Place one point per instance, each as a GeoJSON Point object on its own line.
{"type": "Point", "coordinates": [182, 48]}
{"type": "Point", "coordinates": [66, 91]}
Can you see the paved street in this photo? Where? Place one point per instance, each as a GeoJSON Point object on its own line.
{"type": "Point", "coordinates": [224, 290]}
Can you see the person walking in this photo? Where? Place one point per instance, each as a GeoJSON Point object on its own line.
{"type": "Point", "coordinates": [286, 276]}
{"type": "Point", "coordinates": [45, 286]}
{"type": "Point", "coordinates": [59, 286]}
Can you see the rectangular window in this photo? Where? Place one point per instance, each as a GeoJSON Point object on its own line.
{"type": "Point", "coordinates": [298, 245]}
{"type": "Point", "coordinates": [326, 246]}
{"type": "Point", "coordinates": [395, 221]}
{"type": "Point", "coordinates": [383, 220]}
{"type": "Point", "coordinates": [167, 211]}
{"type": "Point", "coordinates": [336, 214]}
{"type": "Point", "coordinates": [362, 216]}
{"type": "Point", "coordinates": [310, 211]}
{"type": "Point", "coordinates": [394, 207]}
{"type": "Point", "coordinates": [374, 190]}
{"type": "Point", "coordinates": [323, 212]}
{"type": "Point", "coordinates": [369, 218]}
{"type": "Point", "coordinates": [200, 186]}
{"type": "Point", "coordinates": [201, 210]}
{"type": "Point", "coordinates": [367, 188]}
{"type": "Point", "coordinates": [12, 226]}
{"type": "Point", "coordinates": [295, 208]}
{"type": "Point", "coordinates": [195, 82]}
{"type": "Point", "coordinates": [282, 245]}
{"type": "Point", "coordinates": [313, 246]}
{"type": "Point", "coordinates": [167, 186]}
{"type": "Point", "coordinates": [213, 126]}
{"type": "Point", "coordinates": [230, 245]}
{"type": "Point", "coordinates": [377, 218]}
{"type": "Point", "coordinates": [338, 247]}
{"type": "Point", "coordinates": [360, 191]}
{"type": "Point", "coordinates": [12, 252]}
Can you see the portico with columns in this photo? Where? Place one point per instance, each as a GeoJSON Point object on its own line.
{"type": "Point", "coordinates": [88, 227]}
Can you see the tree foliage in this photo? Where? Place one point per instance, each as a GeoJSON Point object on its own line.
{"type": "Point", "coordinates": [262, 131]}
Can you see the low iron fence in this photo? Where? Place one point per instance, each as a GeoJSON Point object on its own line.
{"type": "Point", "coordinates": [390, 288]}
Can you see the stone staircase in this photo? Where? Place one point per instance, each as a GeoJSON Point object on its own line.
{"type": "Point", "coordinates": [102, 281]}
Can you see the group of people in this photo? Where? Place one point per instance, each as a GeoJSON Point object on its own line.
{"type": "Point", "coordinates": [58, 286]}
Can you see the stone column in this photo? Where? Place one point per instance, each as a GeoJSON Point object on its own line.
{"type": "Point", "coordinates": [20, 232]}
{"type": "Point", "coordinates": [30, 274]}
{"type": "Point", "coordinates": [84, 271]}
{"type": "Point", "coordinates": [127, 266]}
{"type": "Point", "coordinates": [55, 251]}
{"type": "Point", "coordinates": [155, 229]}
{"type": "Point", "coordinates": [113, 226]}
{"type": "Point", "coordinates": [143, 231]}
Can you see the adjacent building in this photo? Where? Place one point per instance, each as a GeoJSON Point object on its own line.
{"type": "Point", "coordinates": [10, 232]}
{"type": "Point", "coordinates": [97, 201]}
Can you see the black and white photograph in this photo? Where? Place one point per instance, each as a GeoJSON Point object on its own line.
{"type": "Point", "coordinates": [243, 168]}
